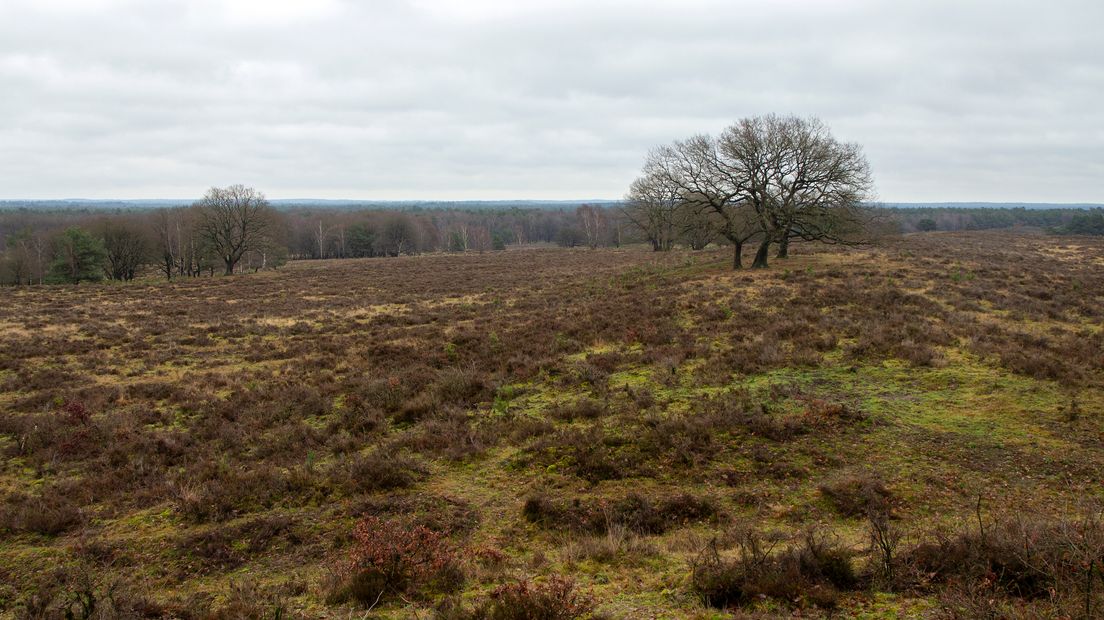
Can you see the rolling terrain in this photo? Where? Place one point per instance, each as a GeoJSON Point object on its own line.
{"type": "Point", "coordinates": [909, 430]}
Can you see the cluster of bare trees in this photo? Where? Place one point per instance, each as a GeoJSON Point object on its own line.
{"type": "Point", "coordinates": [27, 256]}
{"type": "Point", "coordinates": [232, 229]}
{"type": "Point", "coordinates": [766, 180]}
{"type": "Point", "coordinates": [321, 233]}
{"type": "Point", "coordinates": [235, 230]}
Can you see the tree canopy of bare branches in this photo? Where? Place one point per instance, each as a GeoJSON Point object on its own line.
{"type": "Point", "coordinates": [653, 207]}
{"type": "Point", "coordinates": [127, 249]}
{"type": "Point", "coordinates": [233, 221]}
{"type": "Point", "coordinates": [770, 178]}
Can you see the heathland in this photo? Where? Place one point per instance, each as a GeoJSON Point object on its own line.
{"type": "Point", "coordinates": [912, 429]}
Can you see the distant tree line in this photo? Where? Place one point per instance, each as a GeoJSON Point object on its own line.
{"type": "Point", "coordinates": [1089, 222]}
{"type": "Point", "coordinates": [235, 230]}
{"type": "Point", "coordinates": [924, 219]}
{"type": "Point", "coordinates": [327, 233]}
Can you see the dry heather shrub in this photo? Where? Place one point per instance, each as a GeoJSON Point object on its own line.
{"type": "Point", "coordinates": [453, 434]}
{"type": "Point", "coordinates": [858, 495]}
{"type": "Point", "coordinates": [452, 516]}
{"type": "Point", "coordinates": [51, 513]}
{"type": "Point", "coordinates": [249, 601]}
{"type": "Point", "coordinates": [590, 454]}
{"type": "Point", "coordinates": [216, 493]}
{"type": "Point", "coordinates": [1023, 557]}
{"type": "Point", "coordinates": [634, 512]}
{"type": "Point", "coordinates": [389, 559]}
{"type": "Point", "coordinates": [555, 599]}
{"type": "Point", "coordinates": [592, 375]}
{"type": "Point", "coordinates": [82, 592]}
{"type": "Point", "coordinates": [461, 387]}
{"type": "Point", "coordinates": [226, 547]}
{"type": "Point", "coordinates": [382, 470]}
{"type": "Point", "coordinates": [358, 417]}
{"type": "Point", "coordinates": [811, 572]}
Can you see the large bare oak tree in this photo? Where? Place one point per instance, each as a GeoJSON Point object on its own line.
{"type": "Point", "coordinates": [770, 178]}
{"type": "Point", "coordinates": [233, 221]}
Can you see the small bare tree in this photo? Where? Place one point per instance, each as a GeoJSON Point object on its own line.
{"type": "Point", "coordinates": [593, 224]}
{"type": "Point", "coordinates": [233, 221]}
{"type": "Point", "coordinates": [25, 257]}
{"type": "Point", "coordinates": [652, 207]}
{"type": "Point", "coordinates": [127, 249]}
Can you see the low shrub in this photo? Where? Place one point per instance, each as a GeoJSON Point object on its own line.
{"type": "Point", "coordinates": [1023, 556]}
{"type": "Point", "coordinates": [227, 547]}
{"type": "Point", "coordinates": [218, 492]}
{"type": "Point", "coordinates": [811, 572]}
{"type": "Point", "coordinates": [383, 470]}
{"type": "Point", "coordinates": [583, 408]}
{"type": "Point", "coordinates": [451, 516]}
{"type": "Point", "coordinates": [249, 601]}
{"type": "Point", "coordinates": [858, 495]}
{"type": "Point", "coordinates": [554, 599]}
{"type": "Point", "coordinates": [453, 434]}
{"type": "Point", "coordinates": [617, 542]}
{"type": "Point", "coordinates": [590, 454]}
{"type": "Point", "coordinates": [51, 513]}
{"type": "Point", "coordinates": [634, 512]}
{"type": "Point", "coordinates": [392, 559]}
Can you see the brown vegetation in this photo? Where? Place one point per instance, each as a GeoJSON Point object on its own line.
{"type": "Point", "coordinates": [207, 448]}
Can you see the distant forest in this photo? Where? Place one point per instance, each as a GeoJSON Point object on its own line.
{"type": "Point", "coordinates": [42, 241]}
{"type": "Point", "coordinates": [1072, 220]}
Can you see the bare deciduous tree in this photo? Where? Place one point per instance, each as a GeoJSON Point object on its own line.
{"type": "Point", "coordinates": [772, 178]}
{"type": "Point", "coordinates": [127, 249]}
{"type": "Point", "coordinates": [652, 206]}
{"type": "Point", "coordinates": [26, 257]}
{"type": "Point", "coordinates": [399, 235]}
{"type": "Point", "coordinates": [705, 186]}
{"type": "Point", "coordinates": [801, 181]}
{"type": "Point", "coordinates": [592, 223]}
{"type": "Point", "coordinates": [697, 228]}
{"type": "Point", "coordinates": [233, 221]}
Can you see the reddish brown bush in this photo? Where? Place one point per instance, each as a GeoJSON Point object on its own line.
{"type": "Point", "coordinates": [555, 599]}
{"type": "Point", "coordinates": [390, 559]}
{"type": "Point", "coordinates": [75, 413]}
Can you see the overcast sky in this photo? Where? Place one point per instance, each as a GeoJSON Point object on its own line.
{"type": "Point", "coordinates": [493, 99]}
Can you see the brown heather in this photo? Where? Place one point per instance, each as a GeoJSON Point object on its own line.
{"type": "Point", "coordinates": [913, 428]}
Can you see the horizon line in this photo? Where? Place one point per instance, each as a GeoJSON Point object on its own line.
{"type": "Point", "coordinates": [533, 200]}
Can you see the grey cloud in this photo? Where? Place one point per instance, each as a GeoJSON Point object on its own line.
{"type": "Point", "coordinates": [952, 101]}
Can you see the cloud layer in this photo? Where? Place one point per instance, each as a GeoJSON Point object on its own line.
{"type": "Point", "coordinates": [436, 99]}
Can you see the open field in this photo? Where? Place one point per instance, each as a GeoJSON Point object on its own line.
{"type": "Point", "coordinates": [639, 423]}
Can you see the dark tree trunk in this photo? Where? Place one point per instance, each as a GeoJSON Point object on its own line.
{"type": "Point", "coordinates": [737, 261]}
{"type": "Point", "coordinates": [229, 268]}
{"type": "Point", "coordinates": [784, 247]}
{"type": "Point", "coordinates": [760, 261]}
